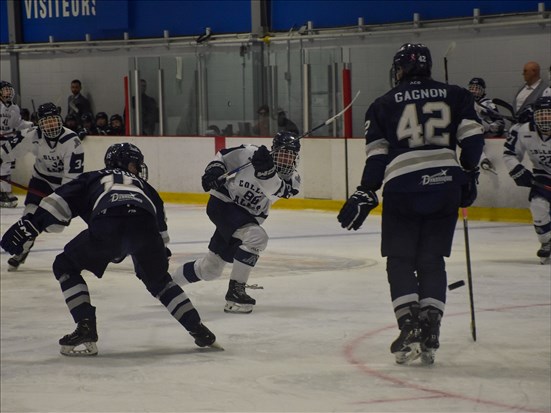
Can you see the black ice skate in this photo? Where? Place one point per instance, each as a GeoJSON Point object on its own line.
{"type": "Point", "coordinates": [237, 300]}
{"type": "Point", "coordinates": [8, 200]}
{"type": "Point", "coordinates": [545, 253]}
{"type": "Point", "coordinates": [407, 347]}
{"type": "Point", "coordinates": [85, 335]}
{"type": "Point", "coordinates": [204, 337]}
{"type": "Point", "coordinates": [430, 334]}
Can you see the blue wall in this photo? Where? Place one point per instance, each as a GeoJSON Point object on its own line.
{"type": "Point", "coordinates": [70, 20]}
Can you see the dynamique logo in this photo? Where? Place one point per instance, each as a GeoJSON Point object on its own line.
{"type": "Point", "coordinates": [124, 197]}
{"type": "Point", "coordinates": [436, 179]}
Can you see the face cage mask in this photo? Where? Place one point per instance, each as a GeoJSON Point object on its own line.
{"type": "Point", "coordinates": [542, 120]}
{"type": "Point", "coordinates": [8, 94]}
{"type": "Point", "coordinates": [143, 171]}
{"type": "Point", "coordinates": [51, 126]}
{"type": "Point", "coordinates": [285, 162]}
{"type": "Point", "coordinates": [477, 91]}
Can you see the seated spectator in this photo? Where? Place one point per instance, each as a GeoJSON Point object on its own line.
{"type": "Point", "coordinates": [71, 122]}
{"type": "Point", "coordinates": [285, 124]}
{"type": "Point", "coordinates": [87, 126]}
{"type": "Point", "coordinates": [116, 125]}
{"type": "Point", "coordinates": [262, 127]}
{"type": "Point", "coordinates": [102, 123]}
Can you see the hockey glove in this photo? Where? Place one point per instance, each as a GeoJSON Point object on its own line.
{"type": "Point", "coordinates": [522, 176]}
{"type": "Point", "coordinates": [211, 178]}
{"type": "Point", "coordinates": [263, 163]}
{"type": "Point", "coordinates": [19, 237]}
{"type": "Point", "coordinates": [357, 208]}
{"type": "Point", "coordinates": [469, 190]}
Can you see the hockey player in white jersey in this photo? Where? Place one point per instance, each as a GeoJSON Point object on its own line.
{"type": "Point", "coordinates": [486, 111]}
{"type": "Point", "coordinates": [11, 126]}
{"type": "Point", "coordinates": [238, 206]}
{"type": "Point", "coordinates": [59, 159]}
{"type": "Point", "coordinates": [534, 139]}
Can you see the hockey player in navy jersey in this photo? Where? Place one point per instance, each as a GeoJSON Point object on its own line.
{"type": "Point", "coordinates": [238, 206]}
{"type": "Point", "coordinates": [412, 133]}
{"type": "Point", "coordinates": [11, 125]}
{"type": "Point", "coordinates": [534, 140]}
{"type": "Point", "coordinates": [59, 158]}
{"type": "Point", "coordinates": [125, 216]}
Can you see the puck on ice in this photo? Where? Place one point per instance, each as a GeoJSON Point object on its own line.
{"type": "Point", "coordinates": [456, 284]}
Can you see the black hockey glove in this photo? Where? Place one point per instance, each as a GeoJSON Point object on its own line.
{"type": "Point", "coordinates": [357, 208]}
{"type": "Point", "coordinates": [263, 163]}
{"type": "Point", "coordinates": [19, 236]}
{"type": "Point", "coordinates": [469, 190]}
{"type": "Point", "coordinates": [211, 177]}
{"type": "Point", "coordinates": [522, 176]}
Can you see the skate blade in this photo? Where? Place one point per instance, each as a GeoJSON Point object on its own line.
{"type": "Point", "coordinates": [543, 261]}
{"type": "Point", "coordinates": [406, 357]}
{"type": "Point", "coordinates": [428, 356]}
{"type": "Point", "coordinates": [213, 347]}
{"type": "Point", "coordinates": [236, 308]}
{"type": "Point", "coordinates": [12, 268]}
{"type": "Point", "coordinates": [90, 349]}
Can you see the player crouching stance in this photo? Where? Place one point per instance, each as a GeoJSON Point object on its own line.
{"type": "Point", "coordinates": [534, 138]}
{"type": "Point", "coordinates": [238, 205]}
{"type": "Point", "coordinates": [125, 216]}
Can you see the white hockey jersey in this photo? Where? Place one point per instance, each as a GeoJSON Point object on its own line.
{"type": "Point", "coordinates": [490, 123]}
{"type": "Point", "coordinates": [246, 190]}
{"type": "Point", "coordinates": [525, 139]}
{"type": "Point", "coordinates": [10, 121]}
{"type": "Point", "coordinates": [57, 162]}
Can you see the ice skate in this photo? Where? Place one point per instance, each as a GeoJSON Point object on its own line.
{"type": "Point", "coordinates": [545, 253]}
{"type": "Point", "coordinates": [237, 300]}
{"type": "Point", "coordinates": [430, 334]}
{"type": "Point", "coordinates": [8, 200]}
{"type": "Point", "coordinates": [407, 347]}
{"type": "Point", "coordinates": [15, 261]}
{"type": "Point", "coordinates": [85, 335]}
{"type": "Point", "coordinates": [204, 337]}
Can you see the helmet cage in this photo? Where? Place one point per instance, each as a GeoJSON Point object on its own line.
{"type": "Point", "coordinates": [7, 93]}
{"type": "Point", "coordinates": [478, 91]}
{"type": "Point", "coordinates": [542, 120]}
{"type": "Point", "coordinates": [51, 126]}
{"type": "Point", "coordinates": [285, 161]}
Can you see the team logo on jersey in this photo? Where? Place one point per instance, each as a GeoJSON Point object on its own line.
{"type": "Point", "coordinates": [124, 197]}
{"type": "Point", "coordinates": [437, 179]}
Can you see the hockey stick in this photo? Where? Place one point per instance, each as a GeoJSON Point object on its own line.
{"type": "Point", "coordinates": [541, 186]}
{"type": "Point", "coordinates": [327, 122]}
{"type": "Point", "coordinates": [26, 188]}
{"type": "Point", "coordinates": [495, 114]}
{"type": "Point", "coordinates": [469, 273]}
{"type": "Point", "coordinates": [448, 52]}
{"type": "Point", "coordinates": [506, 105]}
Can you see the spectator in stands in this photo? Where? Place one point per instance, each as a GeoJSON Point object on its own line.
{"type": "Point", "coordinates": [87, 126]}
{"type": "Point", "coordinates": [150, 111]}
{"type": "Point", "coordinates": [262, 127]}
{"type": "Point", "coordinates": [116, 125]}
{"type": "Point", "coordinates": [71, 122]}
{"type": "Point", "coordinates": [102, 123]}
{"type": "Point", "coordinates": [25, 114]}
{"type": "Point", "coordinates": [77, 104]}
{"type": "Point", "coordinates": [531, 90]}
{"type": "Point", "coordinates": [285, 124]}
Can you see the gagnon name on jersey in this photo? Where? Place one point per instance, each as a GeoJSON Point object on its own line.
{"type": "Point", "coordinates": [417, 94]}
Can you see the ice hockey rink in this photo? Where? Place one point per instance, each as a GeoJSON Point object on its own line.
{"type": "Point", "coordinates": [317, 341]}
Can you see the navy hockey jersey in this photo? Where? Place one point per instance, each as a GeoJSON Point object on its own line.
{"type": "Point", "coordinates": [412, 133]}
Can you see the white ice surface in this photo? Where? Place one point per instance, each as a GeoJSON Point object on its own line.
{"type": "Point", "coordinates": [317, 341]}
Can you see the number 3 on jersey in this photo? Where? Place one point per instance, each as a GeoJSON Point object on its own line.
{"type": "Point", "coordinates": [437, 116]}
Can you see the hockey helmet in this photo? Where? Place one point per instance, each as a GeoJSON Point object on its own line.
{"type": "Point", "coordinates": [477, 86]}
{"type": "Point", "coordinates": [7, 92]}
{"type": "Point", "coordinates": [411, 60]}
{"type": "Point", "coordinates": [121, 155]}
{"type": "Point", "coordinates": [542, 115]}
{"type": "Point", "coordinates": [49, 120]}
{"type": "Point", "coordinates": [285, 149]}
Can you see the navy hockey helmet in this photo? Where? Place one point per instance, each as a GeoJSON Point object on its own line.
{"type": "Point", "coordinates": [121, 155]}
{"type": "Point", "coordinates": [49, 120]}
{"type": "Point", "coordinates": [7, 92]}
{"type": "Point", "coordinates": [101, 115]}
{"type": "Point", "coordinates": [285, 149]}
{"type": "Point", "coordinates": [477, 86]}
{"type": "Point", "coordinates": [412, 59]}
{"type": "Point", "coordinates": [542, 115]}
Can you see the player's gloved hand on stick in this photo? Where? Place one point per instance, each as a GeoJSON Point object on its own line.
{"type": "Point", "coordinates": [211, 177]}
{"type": "Point", "coordinates": [18, 236]}
{"type": "Point", "coordinates": [522, 176]}
{"type": "Point", "coordinates": [357, 208]}
{"type": "Point", "coordinates": [469, 190]}
{"type": "Point", "coordinates": [263, 163]}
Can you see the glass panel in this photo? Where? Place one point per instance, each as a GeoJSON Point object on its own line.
{"type": "Point", "coordinates": [148, 85]}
